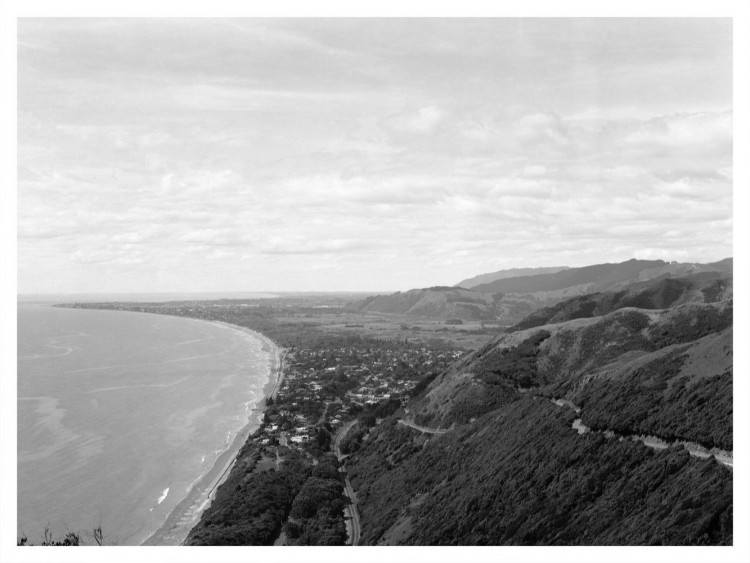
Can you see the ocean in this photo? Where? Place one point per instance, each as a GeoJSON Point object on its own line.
{"type": "Point", "coordinates": [120, 414]}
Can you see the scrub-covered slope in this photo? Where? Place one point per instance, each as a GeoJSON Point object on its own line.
{"type": "Point", "coordinates": [509, 467]}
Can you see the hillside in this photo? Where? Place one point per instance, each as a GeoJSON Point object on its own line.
{"type": "Point", "coordinates": [594, 278]}
{"type": "Point", "coordinates": [659, 293]}
{"type": "Point", "coordinates": [504, 274]}
{"type": "Point", "coordinates": [510, 467]}
{"type": "Point", "coordinates": [436, 302]}
{"type": "Point", "coordinates": [601, 277]}
{"type": "Point", "coordinates": [521, 476]}
{"type": "Point", "coordinates": [512, 299]}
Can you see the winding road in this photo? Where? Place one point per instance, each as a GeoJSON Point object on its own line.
{"type": "Point", "coordinates": [353, 528]}
{"type": "Point", "coordinates": [654, 442]}
{"type": "Point", "coordinates": [423, 429]}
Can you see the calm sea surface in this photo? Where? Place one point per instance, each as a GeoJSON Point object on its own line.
{"type": "Point", "coordinates": [120, 413]}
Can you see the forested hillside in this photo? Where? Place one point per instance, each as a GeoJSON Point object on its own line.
{"type": "Point", "coordinates": [520, 475]}
{"type": "Point", "coordinates": [491, 460]}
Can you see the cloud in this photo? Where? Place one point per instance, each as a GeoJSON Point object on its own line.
{"type": "Point", "coordinates": [295, 246]}
{"type": "Point", "coordinates": [420, 121]}
{"type": "Point", "coordinates": [371, 152]}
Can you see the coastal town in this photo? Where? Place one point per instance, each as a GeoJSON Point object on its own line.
{"type": "Point", "coordinates": [324, 388]}
{"type": "Point", "coordinates": [331, 382]}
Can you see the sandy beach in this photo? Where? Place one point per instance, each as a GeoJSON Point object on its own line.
{"type": "Point", "coordinates": [187, 513]}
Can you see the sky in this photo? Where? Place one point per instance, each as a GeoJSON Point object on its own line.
{"type": "Point", "coordinates": [208, 155]}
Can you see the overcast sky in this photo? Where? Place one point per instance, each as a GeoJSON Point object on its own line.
{"type": "Point", "coordinates": [252, 155]}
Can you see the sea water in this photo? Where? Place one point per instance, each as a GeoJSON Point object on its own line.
{"type": "Point", "coordinates": [121, 413]}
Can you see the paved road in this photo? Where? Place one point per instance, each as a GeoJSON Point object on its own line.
{"type": "Point", "coordinates": [424, 429]}
{"type": "Point", "coordinates": [348, 490]}
{"type": "Point", "coordinates": [654, 442]}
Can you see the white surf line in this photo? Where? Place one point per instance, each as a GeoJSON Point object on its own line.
{"type": "Point", "coordinates": [195, 340]}
{"type": "Point", "coordinates": [164, 494]}
{"type": "Point", "coordinates": [196, 357]}
{"type": "Point", "coordinates": [156, 385]}
{"type": "Point", "coordinates": [68, 350]}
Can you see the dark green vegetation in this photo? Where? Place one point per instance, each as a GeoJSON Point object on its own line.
{"type": "Point", "coordinates": [520, 475]}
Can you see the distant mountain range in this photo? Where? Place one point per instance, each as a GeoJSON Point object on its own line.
{"type": "Point", "coordinates": [471, 283]}
{"type": "Point", "coordinates": [510, 299]}
{"type": "Point", "coordinates": [600, 277]}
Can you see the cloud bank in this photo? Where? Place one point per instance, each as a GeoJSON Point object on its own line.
{"type": "Point", "coordinates": [251, 155]}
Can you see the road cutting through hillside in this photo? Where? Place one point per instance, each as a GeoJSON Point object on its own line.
{"type": "Point", "coordinates": [353, 527]}
{"type": "Point", "coordinates": [423, 429]}
{"type": "Point", "coordinates": [654, 442]}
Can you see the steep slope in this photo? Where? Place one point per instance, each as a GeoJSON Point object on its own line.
{"type": "Point", "coordinates": [601, 277]}
{"type": "Point", "coordinates": [594, 278]}
{"type": "Point", "coordinates": [559, 359]}
{"type": "Point", "coordinates": [504, 274]}
{"type": "Point", "coordinates": [678, 269]}
{"type": "Point", "coordinates": [659, 293]}
{"type": "Point", "coordinates": [521, 476]}
{"type": "Point", "coordinates": [510, 467]}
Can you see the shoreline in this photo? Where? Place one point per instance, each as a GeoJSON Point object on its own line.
{"type": "Point", "coordinates": [188, 512]}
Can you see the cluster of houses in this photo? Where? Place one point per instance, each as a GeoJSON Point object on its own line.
{"type": "Point", "coordinates": [332, 385]}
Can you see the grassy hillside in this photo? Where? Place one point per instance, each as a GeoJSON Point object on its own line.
{"type": "Point", "coordinates": [514, 298]}
{"type": "Point", "coordinates": [436, 302]}
{"type": "Point", "coordinates": [661, 293]}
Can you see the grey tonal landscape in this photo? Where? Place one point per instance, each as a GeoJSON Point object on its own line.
{"type": "Point", "coordinates": [375, 282]}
